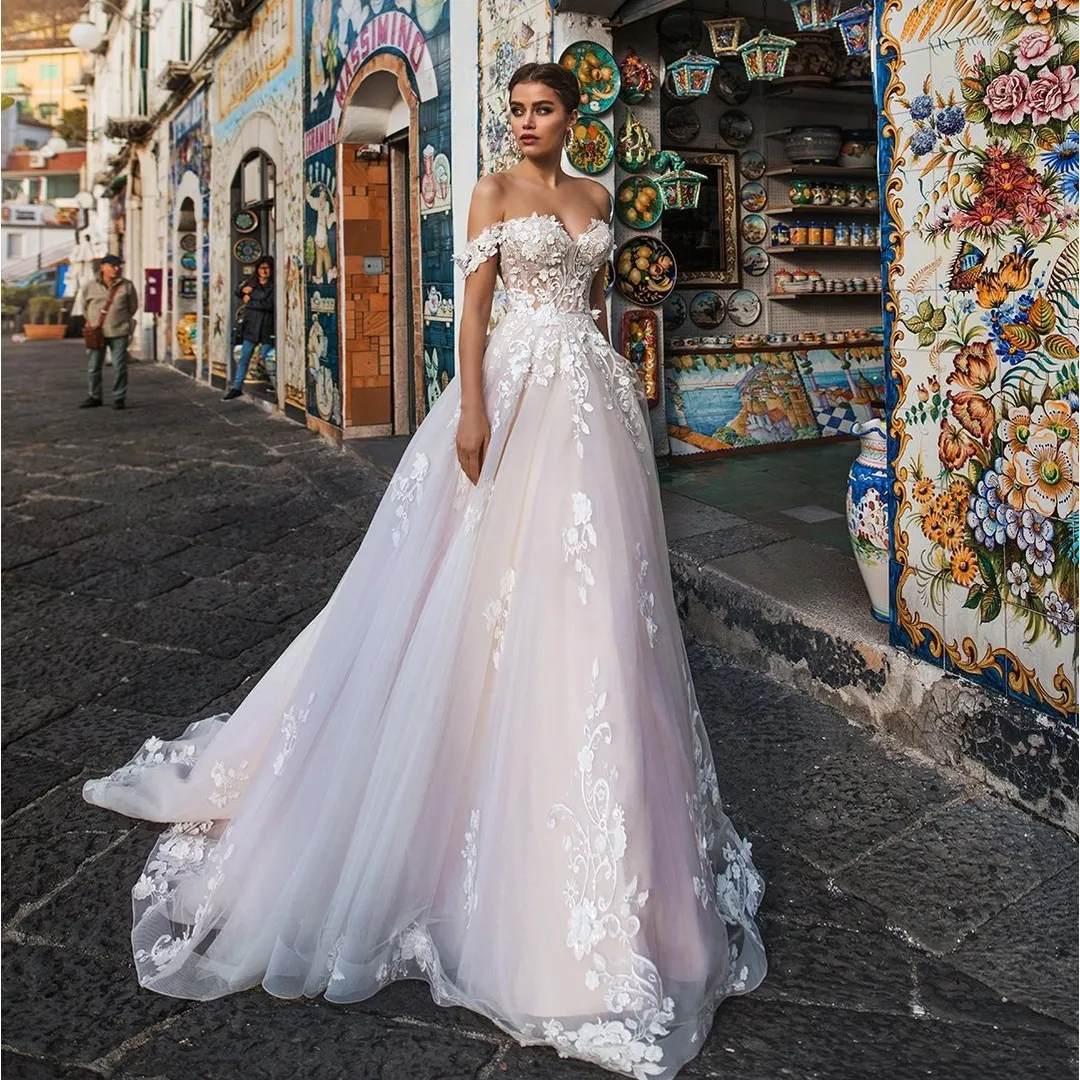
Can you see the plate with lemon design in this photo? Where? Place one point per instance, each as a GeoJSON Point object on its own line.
{"type": "Point", "coordinates": [645, 271]}
{"type": "Point", "coordinates": [638, 202]}
{"type": "Point", "coordinates": [597, 75]}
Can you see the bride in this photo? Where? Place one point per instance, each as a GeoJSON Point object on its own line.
{"type": "Point", "coordinates": [482, 764]}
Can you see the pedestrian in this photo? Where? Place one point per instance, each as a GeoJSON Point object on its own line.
{"type": "Point", "coordinates": [257, 295]}
{"type": "Point", "coordinates": [110, 304]}
{"type": "Point", "coordinates": [482, 763]}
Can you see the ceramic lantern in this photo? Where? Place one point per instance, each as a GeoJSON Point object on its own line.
{"type": "Point", "coordinates": [765, 56]}
{"type": "Point", "coordinates": [854, 26]}
{"type": "Point", "coordinates": [679, 186]}
{"type": "Point", "coordinates": [814, 14]}
{"type": "Point", "coordinates": [691, 75]}
{"type": "Point", "coordinates": [726, 35]}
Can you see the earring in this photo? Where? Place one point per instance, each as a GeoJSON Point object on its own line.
{"type": "Point", "coordinates": [570, 143]}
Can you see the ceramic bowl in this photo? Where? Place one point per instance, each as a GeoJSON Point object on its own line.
{"type": "Point", "coordinates": [858, 149]}
{"type": "Point", "coordinates": [812, 145]}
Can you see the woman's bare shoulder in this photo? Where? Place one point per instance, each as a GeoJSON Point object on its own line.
{"type": "Point", "coordinates": [597, 195]}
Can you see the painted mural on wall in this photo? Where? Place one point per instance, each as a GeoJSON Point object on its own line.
{"type": "Point", "coordinates": [340, 37]}
{"type": "Point", "coordinates": [981, 192]}
{"type": "Point", "coordinates": [258, 80]}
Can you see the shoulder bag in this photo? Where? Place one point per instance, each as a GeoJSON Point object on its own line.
{"type": "Point", "coordinates": [94, 336]}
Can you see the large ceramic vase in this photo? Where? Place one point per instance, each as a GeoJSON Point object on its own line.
{"type": "Point", "coordinates": [868, 514]}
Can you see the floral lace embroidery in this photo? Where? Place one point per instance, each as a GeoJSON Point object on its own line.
{"type": "Point", "coordinates": [496, 614]}
{"type": "Point", "coordinates": [646, 600]}
{"type": "Point", "coordinates": [229, 783]}
{"type": "Point", "coordinates": [603, 911]}
{"type": "Point", "coordinates": [291, 721]}
{"type": "Point", "coordinates": [152, 752]}
{"type": "Point", "coordinates": [405, 490]}
{"type": "Point", "coordinates": [478, 504]}
{"type": "Point", "coordinates": [578, 538]}
{"type": "Point", "coordinates": [468, 853]}
{"type": "Point", "coordinates": [479, 250]}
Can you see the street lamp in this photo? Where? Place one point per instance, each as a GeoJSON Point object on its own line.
{"type": "Point", "coordinates": [54, 146]}
{"type": "Point", "coordinates": [85, 36]}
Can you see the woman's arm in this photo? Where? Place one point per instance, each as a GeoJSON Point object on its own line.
{"type": "Point", "coordinates": [245, 284]}
{"type": "Point", "coordinates": [474, 432]}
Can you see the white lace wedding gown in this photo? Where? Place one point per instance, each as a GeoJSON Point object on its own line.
{"type": "Point", "coordinates": [482, 764]}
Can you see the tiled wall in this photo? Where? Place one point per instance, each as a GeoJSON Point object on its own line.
{"type": "Point", "coordinates": [980, 148]}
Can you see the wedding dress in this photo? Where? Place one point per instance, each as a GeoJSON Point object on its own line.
{"type": "Point", "coordinates": [482, 764]}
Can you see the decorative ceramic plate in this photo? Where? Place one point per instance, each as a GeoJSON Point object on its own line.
{"type": "Point", "coordinates": [638, 202]}
{"type": "Point", "coordinates": [730, 83]}
{"type": "Point", "coordinates": [744, 307]}
{"type": "Point", "coordinates": [752, 165]}
{"type": "Point", "coordinates": [753, 197]}
{"type": "Point", "coordinates": [755, 261]}
{"type": "Point", "coordinates": [188, 242]}
{"type": "Point", "coordinates": [245, 221]}
{"type": "Point", "coordinates": [679, 31]}
{"type": "Point", "coordinates": [247, 250]}
{"type": "Point", "coordinates": [645, 271]}
{"type": "Point", "coordinates": [754, 228]}
{"type": "Point", "coordinates": [707, 309]}
{"type": "Point", "coordinates": [188, 261]}
{"type": "Point", "coordinates": [736, 127]}
{"type": "Point", "coordinates": [597, 75]}
{"type": "Point", "coordinates": [592, 146]}
{"type": "Point", "coordinates": [188, 287]}
{"type": "Point", "coordinates": [674, 312]}
{"type": "Point", "coordinates": [680, 124]}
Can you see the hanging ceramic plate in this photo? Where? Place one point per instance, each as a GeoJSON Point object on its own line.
{"type": "Point", "coordinates": [755, 261]}
{"type": "Point", "coordinates": [592, 146]}
{"type": "Point", "coordinates": [680, 124]}
{"type": "Point", "coordinates": [245, 221]}
{"type": "Point", "coordinates": [645, 271]}
{"type": "Point", "coordinates": [753, 197]}
{"type": "Point", "coordinates": [674, 312]}
{"type": "Point", "coordinates": [597, 75]}
{"type": "Point", "coordinates": [754, 228]}
{"type": "Point", "coordinates": [638, 202]}
{"type": "Point", "coordinates": [752, 165]}
{"type": "Point", "coordinates": [730, 83]}
{"type": "Point", "coordinates": [744, 307]}
{"type": "Point", "coordinates": [247, 250]}
{"type": "Point", "coordinates": [679, 31]}
{"type": "Point", "coordinates": [736, 127]}
{"type": "Point", "coordinates": [188, 242]}
{"type": "Point", "coordinates": [707, 309]}
{"type": "Point", "coordinates": [609, 276]}
{"type": "Point", "coordinates": [188, 261]}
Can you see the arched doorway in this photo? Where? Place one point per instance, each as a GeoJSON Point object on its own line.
{"type": "Point", "coordinates": [379, 253]}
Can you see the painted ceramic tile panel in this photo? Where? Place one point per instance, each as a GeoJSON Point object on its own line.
{"type": "Point", "coordinates": [844, 386]}
{"type": "Point", "coordinates": [723, 401]}
{"type": "Point", "coordinates": [981, 151]}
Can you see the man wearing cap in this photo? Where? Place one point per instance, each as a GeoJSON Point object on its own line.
{"type": "Point", "coordinates": [111, 302]}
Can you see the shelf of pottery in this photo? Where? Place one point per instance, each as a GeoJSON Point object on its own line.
{"type": "Point", "coordinates": [739, 205]}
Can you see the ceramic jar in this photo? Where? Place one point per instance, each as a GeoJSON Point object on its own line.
{"type": "Point", "coordinates": [868, 502]}
{"type": "Point", "coordinates": [800, 192]}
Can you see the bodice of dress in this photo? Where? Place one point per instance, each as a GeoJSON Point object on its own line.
{"type": "Point", "coordinates": [540, 263]}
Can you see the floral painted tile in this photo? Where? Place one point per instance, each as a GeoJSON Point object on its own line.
{"type": "Point", "coordinates": [920, 615]}
{"type": "Point", "coordinates": [1043, 655]}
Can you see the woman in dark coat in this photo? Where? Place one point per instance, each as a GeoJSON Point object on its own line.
{"type": "Point", "coordinates": [257, 328]}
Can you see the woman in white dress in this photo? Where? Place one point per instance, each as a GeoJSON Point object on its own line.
{"type": "Point", "coordinates": [482, 764]}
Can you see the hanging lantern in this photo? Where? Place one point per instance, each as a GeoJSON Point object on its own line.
{"type": "Point", "coordinates": [679, 186]}
{"type": "Point", "coordinates": [691, 75]}
{"type": "Point", "coordinates": [814, 14]}
{"type": "Point", "coordinates": [637, 78]}
{"type": "Point", "coordinates": [854, 26]}
{"type": "Point", "coordinates": [726, 35]}
{"type": "Point", "coordinates": [765, 56]}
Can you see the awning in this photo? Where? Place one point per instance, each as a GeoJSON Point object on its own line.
{"type": "Point", "coordinates": [618, 12]}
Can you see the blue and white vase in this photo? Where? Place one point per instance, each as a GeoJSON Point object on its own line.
{"type": "Point", "coordinates": [868, 500]}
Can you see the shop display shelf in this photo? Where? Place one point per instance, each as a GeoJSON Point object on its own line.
{"type": "Point", "coordinates": [833, 172]}
{"type": "Point", "coordinates": [823, 92]}
{"type": "Point", "coordinates": [783, 296]}
{"type": "Point", "coordinates": [781, 211]}
{"type": "Point", "coordinates": [787, 346]}
{"type": "Point", "coordinates": [827, 249]}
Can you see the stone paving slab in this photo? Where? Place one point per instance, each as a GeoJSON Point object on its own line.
{"type": "Point", "coordinates": [915, 926]}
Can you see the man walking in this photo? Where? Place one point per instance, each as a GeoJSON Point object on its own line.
{"type": "Point", "coordinates": [110, 304]}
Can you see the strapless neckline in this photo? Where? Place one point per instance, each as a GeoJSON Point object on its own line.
{"type": "Point", "coordinates": [593, 222]}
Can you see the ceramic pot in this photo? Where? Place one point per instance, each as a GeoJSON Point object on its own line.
{"type": "Point", "coordinates": [813, 59]}
{"type": "Point", "coordinates": [858, 149]}
{"type": "Point", "coordinates": [812, 145]}
{"type": "Point", "coordinates": [868, 502]}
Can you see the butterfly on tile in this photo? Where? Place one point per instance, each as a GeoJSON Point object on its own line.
{"type": "Point", "coordinates": [966, 267]}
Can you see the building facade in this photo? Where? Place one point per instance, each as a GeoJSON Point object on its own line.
{"type": "Point", "coordinates": [44, 82]}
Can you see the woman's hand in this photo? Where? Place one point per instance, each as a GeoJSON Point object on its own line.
{"type": "Point", "coordinates": [473, 436]}
{"type": "Point", "coordinates": [246, 292]}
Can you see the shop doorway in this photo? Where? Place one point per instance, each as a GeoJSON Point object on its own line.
{"type": "Point", "coordinates": [187, 299]}
{"type": "Point", "coordinates": [253, 228]}
{"type": "Point", "coordinates": [378, 292]}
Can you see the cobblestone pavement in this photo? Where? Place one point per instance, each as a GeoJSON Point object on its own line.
{"type": "Point", "coordinates": [155, 561]}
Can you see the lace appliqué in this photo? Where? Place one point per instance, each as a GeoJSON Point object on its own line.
{"type": "Point", "coordinates": [479, 250]}
{"type": "Point", "coordinates": [603, 910]}
{"type": "Point", "coordinates": [291, 721]}
{"type": "Point", "coordinates": [405, 490]}
{"type": "Point", "coordinates": [468, 853]}
{"type": "Point", "coordinates": [646, 600]}
{"type": "Point", "coordinates": [496, 614]}
{"type": "Point", "coordinates": [477, 504]}
{"type": "Point", "coordinates": [578, 539]}
{"type": "Point", "coordinates": [152, 752]}
{"type": "Point", "coordinates": [228, 783]}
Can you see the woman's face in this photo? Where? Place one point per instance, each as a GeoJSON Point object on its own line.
{"type": "Point", "coordinates": [538, 119]}
{"type": "Point", "coordinates": [263, 273]}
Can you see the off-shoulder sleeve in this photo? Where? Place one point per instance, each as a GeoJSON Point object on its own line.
{"type": "Point", "coordinates": [479, 250]}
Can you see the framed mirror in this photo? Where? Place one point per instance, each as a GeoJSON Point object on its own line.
{"type": "Point", "coordinates": [705, 240]}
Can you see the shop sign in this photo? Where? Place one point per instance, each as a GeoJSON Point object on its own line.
{"type": "Point", "coordinates": [39, 214]}
{"type": "Point", "coordinates": [256, 56]}
{"type": "Point", "coordinates": [152, 291]}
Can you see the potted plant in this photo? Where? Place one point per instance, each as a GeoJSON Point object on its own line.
{"type": "Point", "coordinates": [43, 319]}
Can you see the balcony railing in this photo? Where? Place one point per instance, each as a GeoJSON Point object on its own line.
{"type": "Point", "coordinates": [128, 128]}
{"type": "Point", "coordinates": [174, 76]}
